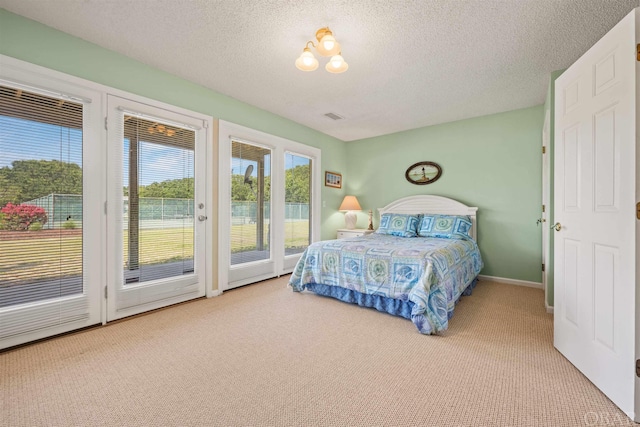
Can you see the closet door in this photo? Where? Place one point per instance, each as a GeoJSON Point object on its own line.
{"type": "Point", "coordinates": [596, 280]}
{"type": "Point", "coordinates": [50, 209]}
{"type": "Point", "coordinates": [156, 207]}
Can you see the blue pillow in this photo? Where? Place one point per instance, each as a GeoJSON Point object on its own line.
{"type": "Point", "coordinates": [403, 225]}
{"type": "Point", "coordinates": [445, 226]}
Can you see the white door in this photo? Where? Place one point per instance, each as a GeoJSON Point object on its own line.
{"type": "Point", "coordinates": [50, 234]}
{"type": "Point", "coordinates": [157, 207]}
{"type": "Point", "coordinates": [595, 196]}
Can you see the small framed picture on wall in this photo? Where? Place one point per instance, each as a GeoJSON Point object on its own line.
{"type": "Point", "coordinates": [332, 179]}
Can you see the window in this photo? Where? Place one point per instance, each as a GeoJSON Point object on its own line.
{"type": "Point", "coordinates": [48, 213]}
{"type": "Point", "coordinates": [297, 231]}
{"type": "Point", "coordinates": [158, 193]}
{"type": "Point", "coordinates": [269, 204]}
{"type": "Point", "coordinates": [41, 192]}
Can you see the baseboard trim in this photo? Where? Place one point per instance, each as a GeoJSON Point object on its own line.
{"type": "Point", "coordinates": [214, 293]}
{"type": "Point", "coordinates": [537, 285]}
{"type": "Point", "coordinates": [548, 307]}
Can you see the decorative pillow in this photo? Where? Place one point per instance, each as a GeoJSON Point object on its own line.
{"type": "Point", "coordinates": [403, 225]}
{"type": "Point", "coordinates": [445, 226]}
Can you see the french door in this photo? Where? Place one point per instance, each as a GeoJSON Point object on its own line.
{"type": "Point", "coordinates": [157, 207]}
{"type": "Point", "coordinates": [269, 204]}
{"type": "Point", "coordinates": [50, 216]}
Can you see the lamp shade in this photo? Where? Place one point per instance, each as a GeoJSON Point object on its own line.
{"type": "Point", "coordinates": [350, 203]}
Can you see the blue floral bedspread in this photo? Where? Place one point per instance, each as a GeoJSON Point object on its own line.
{"type": "Point", "coordinates": [419, 278]}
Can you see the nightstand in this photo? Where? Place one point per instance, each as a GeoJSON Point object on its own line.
{"type": "Point", "coordinates": [344, 233]}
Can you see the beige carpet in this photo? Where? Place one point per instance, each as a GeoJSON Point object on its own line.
{"type": "Point", "coordinates": [265, 356]}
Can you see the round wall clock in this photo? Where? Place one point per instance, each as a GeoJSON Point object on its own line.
{"type": "Point", "coordinates": [423, 173]}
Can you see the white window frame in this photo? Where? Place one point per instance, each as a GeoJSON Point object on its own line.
{"type": "Point", "coordinates": [280, 146]}
{"type": "Point", "coordinates": [43, 79]}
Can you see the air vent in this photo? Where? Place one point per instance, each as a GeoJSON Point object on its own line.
{"type": "Point", "coordinates": [334, 116]}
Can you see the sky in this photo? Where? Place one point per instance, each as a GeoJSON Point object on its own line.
{"type": "Point", "coordinates": [24, 139]}
{"type": "Point", "coordinates": [29, 140]}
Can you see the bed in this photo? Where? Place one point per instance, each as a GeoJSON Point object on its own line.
{"type": "Point", "coordinates": [417, 265]}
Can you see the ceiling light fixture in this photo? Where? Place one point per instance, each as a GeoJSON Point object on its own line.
{"type": "Point", "coordinates": [327, 46]}
{"type": "Point", "coordinates": [161, 129]}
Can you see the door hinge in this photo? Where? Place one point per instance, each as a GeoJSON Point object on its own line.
{"type": "Point", "coordinates": [544, 149]}
{"type": "Point", "coordinates": [638, 52]}
{"type": "Point", "coordinates": [638, 368]}
{"type": "Point", "coordinates": [638, 210]}
{"type": "Point", "coordinates": [106, 293]}
{"type": "Point", "coordinates": [542, 267]}
{"type": "Point", "coordinates": [105, 124]}
{"type": "Point", "coordinates": [543, 208]}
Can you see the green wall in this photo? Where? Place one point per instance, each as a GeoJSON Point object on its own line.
{"type": "Point", "coordinates": [33, 42]}
{"type": "Point", "coordinates": [492, 162]}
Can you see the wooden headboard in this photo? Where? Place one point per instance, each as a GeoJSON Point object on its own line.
{"type": "Point", "coordinates": [432, 204]}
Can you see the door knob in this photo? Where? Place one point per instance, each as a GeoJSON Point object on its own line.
{"type": "Point", "coordinates": [202, 217]}
{"type": "Point", "coordinates": [557, 226]}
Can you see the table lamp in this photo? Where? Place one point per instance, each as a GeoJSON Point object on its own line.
{"type": "Point", "coordinates": [350, 204]}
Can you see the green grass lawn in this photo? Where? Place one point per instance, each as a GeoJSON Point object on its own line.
{"type": "Point", "coordinates": [32, 259]}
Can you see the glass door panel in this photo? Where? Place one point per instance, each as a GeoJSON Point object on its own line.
{"type": "Point", "coordinates": [40, 199]}
{"type": "Point", "coordinates": [297, 231]}
{"type": "Point", "coordinates": [250, 203]}
{"type": "Point", "coordinates": [158, 172]}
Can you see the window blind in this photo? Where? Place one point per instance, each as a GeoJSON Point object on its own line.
{"type": "Point", "coordinates": [158, 191]}
{"type": "Point", "coordinates": [41, 207]}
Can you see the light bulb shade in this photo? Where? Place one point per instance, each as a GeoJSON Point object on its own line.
{"type": "Point", "coordinates": [306, 61]}
{"type": "Point", "coordinates": [350, 203]}
{"type": "Point", "coordinates": [337, 65]}
{"type": "Point", "coordinates": [328, 46]}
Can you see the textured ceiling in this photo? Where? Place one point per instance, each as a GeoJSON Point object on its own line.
{"type": "Point", "coordinates": [412, 63]}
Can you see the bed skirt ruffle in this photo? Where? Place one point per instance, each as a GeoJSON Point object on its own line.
{"type": "Point", "coordinates": [392, 306]}
{"type": "Point", "coordinates": [388, 305]}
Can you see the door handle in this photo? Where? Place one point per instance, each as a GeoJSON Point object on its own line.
{"type": "Point", "coordinates": [202, 217]}
{"type": "Point", "coordinates": [557, 226]}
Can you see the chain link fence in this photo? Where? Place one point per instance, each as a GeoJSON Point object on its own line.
{"type": "Point", "coordinates": [158, 212]}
